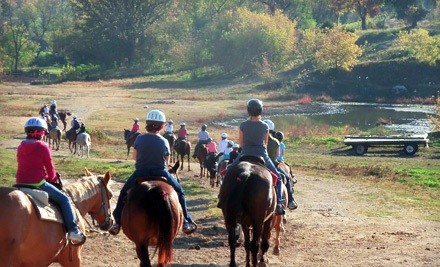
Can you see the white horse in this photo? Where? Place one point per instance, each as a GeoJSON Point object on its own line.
{"type": "Point", "coordinates": [83, 143]}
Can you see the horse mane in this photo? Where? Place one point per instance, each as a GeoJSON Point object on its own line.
{"type": "Point", "coordinates": [83, 189]}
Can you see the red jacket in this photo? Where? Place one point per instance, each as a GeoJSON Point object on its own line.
{"type": "Point", "coordinates": [34, 162]}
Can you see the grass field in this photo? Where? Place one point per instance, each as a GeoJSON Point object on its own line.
{"type": "Point", "coordinates": [107, 107]}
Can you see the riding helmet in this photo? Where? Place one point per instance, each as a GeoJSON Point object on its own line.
{"type": "Point", "coordinates": [182, 124]}
{"type": "Point", "coordinates": [136, 119]}
{"type": "Point", "coordinates": [224, 135]}
{"type": "Point", "coordinates": [270, 124]}
{"type": "Point", "coordinates": [156, 116]}
{"type": "Point", "coordinates": [204, 126]}
{"type": "Point", "coordinates": [279, 136]}
{"type": "Point", "coordinates": [35, 123]}
{"type": "Point", "coordinates": [254, 107]}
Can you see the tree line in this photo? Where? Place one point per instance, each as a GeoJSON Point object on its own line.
{"type": "Point", "coordinates": [234, 36]}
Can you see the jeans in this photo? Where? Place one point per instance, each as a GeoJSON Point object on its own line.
{"type": "Point", "coordinates": [288, 184]}
{"type": "Point", "coordinates": [63, 201]}
{"type": "Point", "coordinates": [146, 172]}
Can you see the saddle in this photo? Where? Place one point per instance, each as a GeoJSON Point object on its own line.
{"type": "Point", "coordinates": [253, 159]}
{"type": "Point", "coordinates": [151, 178]}
{"type": "Point", "coordinates": [46, 210]}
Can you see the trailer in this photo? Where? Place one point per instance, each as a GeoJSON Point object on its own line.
{"type": "Point", "coordinates": [409, 143]}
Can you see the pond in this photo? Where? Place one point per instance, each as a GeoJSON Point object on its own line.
{"type": "Point", "coordinates": [363, 116]}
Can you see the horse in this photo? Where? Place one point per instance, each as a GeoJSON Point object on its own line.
{"type": "Point", "coordinates": [211, 168]}
{"type": "Point", "coordinates": [153, 225]}
{"type": "Point", "coordinates": [83, 141]}
{"type": "Point", "coordinates": [71, 137]}
{"type": "Point", "coordinates": [220, 170]}
{"type": "Point", "coordinates": [278, 223]}
{"type": "Point", "coordinates": [183, 148]}
{"type": "Point", "coordinates": [129, 140]}
{"type": "Point", "coordinates": [54, 136]}
{"type": "Point", "coordinates": [247, 197]}
{"type": "Point", "coordinates": [26, 240]}
{"type": "Point", "coordinates": [171, 138]}
{"type": "Point", "coordinates": [63, 115]}
{"type": "Point", "coordinates": [201, 157]}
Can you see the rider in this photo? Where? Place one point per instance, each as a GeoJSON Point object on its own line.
{"type": "Point", "coordinates": [152, 154]}
{"type": "Point", "coordinates": [291, 203]}
{"type": "Point", "coordinates": [273, 149]}
{"type": "Point", "coordinates": [82, 128]}
{"type": "Point", "coordinates": [223, 145]}
{"type": "Point", "coordinates": [53, 123]}
{"type": "Point", "coordinates": [36, 168]}
{"type": "Point", "coordinates": [182, 134]}
{"type": "Point", "coordinates": [211, 146]}
{"type": "Point", "coordinates": [253, 138]}
{"type": "Point", "coordinates": [134, 129]}
{"type": "Point", "coordinates": [169, 127]}
{"type": "Point", "coordinates": [234, 153]}
{"type": "Point", "coordinates": [75, 123]}
{"type": "Point", "coordinates": [203, 136]}
{"type": "Point", "coordinates": [53, 111]}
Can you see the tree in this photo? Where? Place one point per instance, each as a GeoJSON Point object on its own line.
{"type": "Point", "coordinates": [420, 46]}
{"type": "Point", "coordinates": [340, 7]}
{"type": "Point", "coordinates": [119, 29]}
{"type": "Point", "coordinates": [18, 49]}
{"type": "Point", "coordinates": [241, 38]}
{"type": "Point", "coordinates": [367, 8]}
{"type": "Point", "coordinates": [411, 11]}
{"type": "Point", "coordinates": [274, 5]}
{"type": "Point", "coordinates": [337, 49]}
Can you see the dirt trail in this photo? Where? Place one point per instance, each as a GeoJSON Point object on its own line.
{"type": "Point", "coordinates": [328, 229]}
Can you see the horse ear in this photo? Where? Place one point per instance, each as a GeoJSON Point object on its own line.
{"type": "Point", "coordinates": [87, 172]}
{"type": "Point", "coordinates": [176, 166]}
{"type": "Point", "coordinates": [107, 177]}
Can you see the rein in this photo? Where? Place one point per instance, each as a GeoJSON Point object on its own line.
{"type": "Point", "coordinates": [105, 205]}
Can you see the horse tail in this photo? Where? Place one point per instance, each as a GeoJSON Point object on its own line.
{"type": "Point", "coordinates": [234, 203]}
{"type": "Point", "coordinates": [160, 214]}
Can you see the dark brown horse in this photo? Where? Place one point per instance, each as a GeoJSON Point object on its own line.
{"type": "Point", "coordinates": [247, 197]}
{"type": "Point", "coordinates": [201, 157]}
{"type": "Point", "coordinates": [183, 148]}
{"type": "Point", "coordinates": [129, 140]}
{"type": "Point", "coordinates": [211, 168]}
{"type": "Point", "coordinates": [61, 113]}
{"type": "Point", "coordinates": [171, 138]}
{"type": "Point", "coordinates": [26, 240]}
{"type": "Point", "coordinates": [153, 225]}
{"type": "Point", "coordinates": [71, 138]}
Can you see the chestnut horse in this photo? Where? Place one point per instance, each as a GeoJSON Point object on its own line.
{"type": "Point", "coordinates": [25, 240]}
{"type": "Point", "coordinates": [153, 225]}
{"type": "Point", "coordinates": [247, 197]}
{"type": "Point", "coordinates": [182, 149]}
{"type": "Point", "coordinates": [278, 223]}
{"type": "Point", "coordinates": [201, 157]}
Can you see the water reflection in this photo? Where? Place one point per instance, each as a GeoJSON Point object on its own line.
{"type": "Point", "coordinates": [401, 118]}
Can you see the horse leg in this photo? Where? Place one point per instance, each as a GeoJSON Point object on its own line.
{"type": "Point", "coordinates": [247, 245]}
{"type": "Point", "coordinates": [189, 168]}
{"type": "Point", "coordinates": [232, 240]}
{"type": "Point", "coordinates": [265, 237]}
{"type": "Point", "coordinates": [142, 253]}
{"type": "Point", "coordinates": [278, 224]}
{"type": "Point", "coordinates": [128, 151]}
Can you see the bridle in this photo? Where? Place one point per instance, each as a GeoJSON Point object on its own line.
{"type": "Point", "coordinates": [105, 206]}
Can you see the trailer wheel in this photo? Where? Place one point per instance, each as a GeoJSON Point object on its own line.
{"type": "Point", "coordinates": [360, 149]}
{"type": "Point", "coordinates": [410, 149]}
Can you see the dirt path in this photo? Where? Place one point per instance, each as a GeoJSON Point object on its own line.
{"type": "Point", "coordinates": [328, 229]}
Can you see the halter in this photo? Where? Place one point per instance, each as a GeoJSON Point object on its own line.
{"type": "Point", "coordinates": [105, 205]}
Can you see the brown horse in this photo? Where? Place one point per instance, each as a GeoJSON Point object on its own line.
{"type": "Point", "coordinates": [153, 225]}
{"type": "Point", "coordinates": [171, 138]}
{"type": "Point", "coordinates": [247, 197]}
{"type": "Point", "coordinates": [71, 137]}
{"type": "Point", "coordinates": [278, 224]}
{"type": "Point", "coordinates": [221, 169]}
{"type": "Point", "coordinates": [63, 116]}
{"type": "Point", "coordinates": [201, 157]}
{"type": "Point", "coordinates": [211, 168]}
{"type": "Point", "coordinates": [183, 148]}
{"type": "Point", "coordinates": [129, 140]}
{"type": "Point", "coordinates": [26, 240]}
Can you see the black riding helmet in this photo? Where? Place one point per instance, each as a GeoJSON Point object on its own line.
{"type": "Point", "coordinates": [204, 126]}
{"type": "Point", "coordinates": [254, 107]}
{"type": "Point", "coordinates": [279, 136]}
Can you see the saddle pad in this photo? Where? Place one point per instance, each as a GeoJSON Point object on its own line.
{"type": "Point", "coordinates": [45, 210]}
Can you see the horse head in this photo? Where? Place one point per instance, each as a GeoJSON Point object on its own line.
{"type": "Point", "coordinates": [92, 195]}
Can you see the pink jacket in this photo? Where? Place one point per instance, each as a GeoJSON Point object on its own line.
{"type": "Point", "coordinates": [34, 162]}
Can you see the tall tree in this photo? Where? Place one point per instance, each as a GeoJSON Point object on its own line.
{"type": "Point", "coordinates": [274, 5]}
{"type": "Point", "coordinates": [340, 7]}
{"type": "Point", "coordinates": [120, 26]}
{"type": "Point", "coordinates": [412, 11]}
{"type": "Point", "coordinates": [367, 8]}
